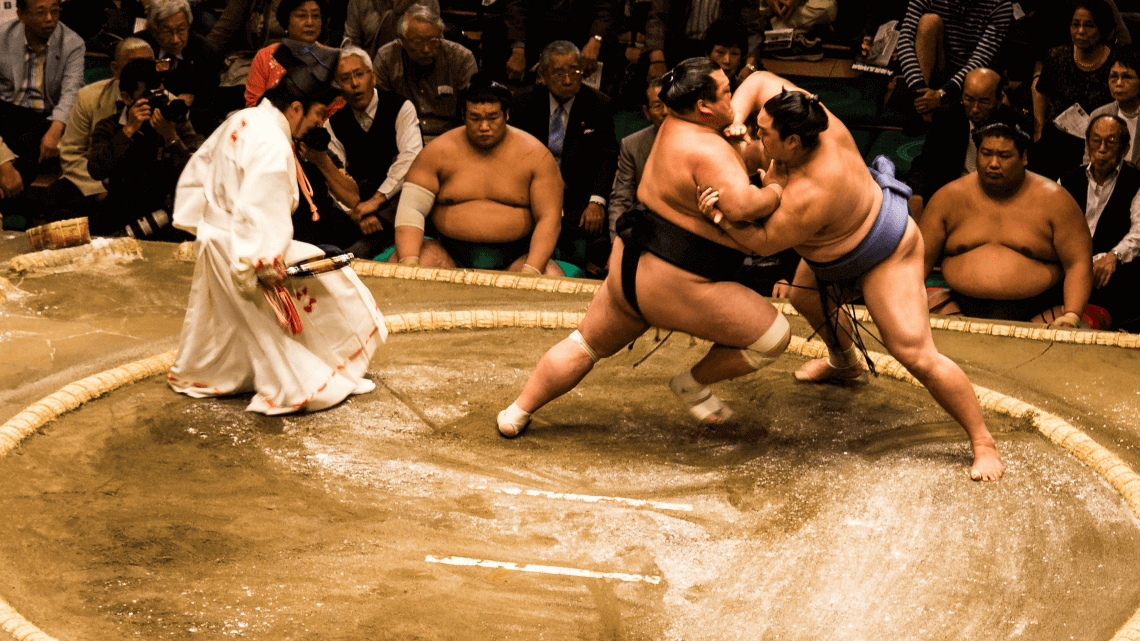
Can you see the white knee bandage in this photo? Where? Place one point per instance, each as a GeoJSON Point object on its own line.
{"type": "Point", "coordinates": [775, 338]}
{"type": "Point", "coordinates": [576, 336]}
{"type": "Point", "coordinates": [415, 205]}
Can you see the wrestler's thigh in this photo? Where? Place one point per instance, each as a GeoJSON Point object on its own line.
{"type": "Point", "coordinates": [895, 294]}
{"type": "Point", "coordinates": [723, 312]}
{"type": "Point", "coordinates": [608, 325]}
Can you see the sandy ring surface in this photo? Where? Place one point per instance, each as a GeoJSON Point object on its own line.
{"type": "Point", "coordinates": [1114, 470]}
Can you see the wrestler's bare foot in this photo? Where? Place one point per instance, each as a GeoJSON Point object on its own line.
{"type": "Point", "coordinates": [987, 463]}
{"type": "Point", "coordinates": [820, 370]}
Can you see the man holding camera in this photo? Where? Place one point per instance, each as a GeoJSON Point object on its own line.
{"type": "Point", "coordinates": [139, 153]}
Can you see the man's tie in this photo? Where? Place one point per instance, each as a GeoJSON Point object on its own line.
{"type": "Point", "coordinates": [557, 134]}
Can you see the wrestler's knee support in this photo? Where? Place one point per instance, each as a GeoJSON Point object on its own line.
{"type": "Point", "coordinates": [768, 347]}
{"type": "Point", "coordinates": [577, 338]}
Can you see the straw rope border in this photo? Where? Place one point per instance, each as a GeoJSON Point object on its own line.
{"type": "Point", "coordinates": [51, 258]}
{"type": "Point", "coordinates": [1113, 469]}
{"type": "Point", "coordinates": [515, 280]}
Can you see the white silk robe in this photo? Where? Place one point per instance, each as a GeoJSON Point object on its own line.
{"type": "Point", "coordinates": [237, 195]}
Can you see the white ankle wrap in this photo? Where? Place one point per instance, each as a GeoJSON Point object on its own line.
{"type": "Point", "coordinates": [848, 357]}
{"type": "Point", "coordinates": [776, 338]}
{"type": "Point", "coordinates": [576, 336]}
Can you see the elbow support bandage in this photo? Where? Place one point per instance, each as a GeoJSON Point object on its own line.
{"type": "Point", "coordinates": [415, 205]}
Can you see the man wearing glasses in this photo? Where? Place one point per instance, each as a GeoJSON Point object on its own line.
{"type": "Point", "coordinates": [577, 126]}
{"type": "Point", "coordinates": [193, 66]}
{"type": "Point", "coordinates": [41, 71]}
{"type": "Point", "coordinates": [426, 69]}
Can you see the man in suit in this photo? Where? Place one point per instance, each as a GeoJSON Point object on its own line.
{"type": "Point", "coordinates": [1107, 189]}
{"type": "Point", "coordinates": [949, 151]}
{"type": "Point", "coordinates": [634, 152]}
{"type": "Point", "coordinates": [41, 71]}
{"type": "Point", "coordinates": [575, 123]}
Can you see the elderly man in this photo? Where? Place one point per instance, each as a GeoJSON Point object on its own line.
{"type": "Point", "coordinates": [371, 24]}
{"type": "Point", "coordinates": [426, 69]}
{"type": "Point", "coordinates": [949, 151]}
{"type": "Point", "coordinates": [530, 27]}
{"type": "Point", "coordinates": [634, 153]}
{"type": "Point", "coordinates": [243, 332]}
{"type": "Point", "coordinates": [577, 126]}
{"type": "Point", "coordinates": [492, 191]}
{"type": "Point", "coordinates": [853, 230]}
{"type": "Point", "coordinates": [940, 41]}
{"type": "Point", "coordinates": [1108, 190]}
{"type": "Point", "coordinates": [1014, 245]}
{"type": "Point", "coordinates": [672, 269]}
{"type": "Point", "coordinates": [41, 71]}
{"type": "Point", "coordinates": [194, 65]}
{"type": "Point", "coordinates": [375, 141]}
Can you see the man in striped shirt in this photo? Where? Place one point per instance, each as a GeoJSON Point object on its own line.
{"type": "Point", "coordinates": [942, 40]}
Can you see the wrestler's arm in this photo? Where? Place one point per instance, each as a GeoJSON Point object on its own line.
{"type": "Point", "coordinates": [933, 228]}
{"type": "Point", "coordinates": [1073, 244]}
{"type": "Point", "coordinates": [791, 225]}
{"type": "Point", "coordinates": [546, 207]}
{"type": "Point", "coordinates": [756, 89]}
{"type": "Point", "coordinates": [739, 200]}
{"type": "Point", "coordinates": [425, 173]}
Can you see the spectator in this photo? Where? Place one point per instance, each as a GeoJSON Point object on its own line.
{"type": "Point", "coordinates": [77, 193]}
{"type": "Point", "coordinates": [575, 123]}
{"type": "Point", "coordinates": [683, 24]}
{"type": "Point", "coordinates": [11, 183]}
{"type": "Point", "coordinates": [949, 151]}
{"type": "Point", "coordinates": [302, 20]}
{"type": "Point", "coordinates": [940, 41]}
{"type": "Point", "coordinates": [495, 190]}
{"type": "Point", "coordinates": [41, 71]}
{"type": "Point", "coordinates": [1013, 246]}
{"type": "Point", "coordinates": [530, 29]}
{"type": "Point", "coordinates": [1071, 74]}
{"type": "Point", "coordinates": [426, 69]}
{"type": "Point", "coordinates": [632, 156]}
{"type": "Point", "coordinates": [194, 65]}
{"type": "Point", "coordinates": [726, 44]}
{"type": "Point", "coordinates": [1124, 85]}
{"type": "Point", "coordinates": [801, 16]}
{"type": "Point", "coordinates": [1106, 189]}
{"type": "Point", "coordinates": [371, 24]}
{"type": "Point", "coordinates": [246, 25]}
{"type": "Point", "coordinates": [138, 153]}
{"type": "Point", "coordinates": [375, 140]}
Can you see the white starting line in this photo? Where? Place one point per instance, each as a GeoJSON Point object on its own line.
{"type": "Point", "coordinates": [543, 569]}
{"type": "Point", "coordinates": [586, 498]}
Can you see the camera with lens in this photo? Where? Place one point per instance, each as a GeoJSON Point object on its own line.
{"type": "Point", "coordinates": [317, 138]}
{"type": "Point", "coordinates": [173, 110]}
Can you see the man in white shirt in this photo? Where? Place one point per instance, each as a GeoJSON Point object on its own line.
{"type": "Point", "coordinates": [1107, 189]}
{"type": "Point", "coordinates": [375, 140]}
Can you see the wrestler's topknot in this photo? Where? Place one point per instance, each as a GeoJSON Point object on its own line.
{"type": "Point", "coordinates": [798, 113]}
{"type": "Point", "coordinates": [688, 82]}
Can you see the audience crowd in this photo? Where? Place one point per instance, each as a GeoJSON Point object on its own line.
{"type": "Point", "coordinates": [497, 133]}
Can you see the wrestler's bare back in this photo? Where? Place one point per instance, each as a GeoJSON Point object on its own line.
{"type": "Point", "coordinates": [485, 195]}
{"type": "Point", "coordinates": [992, 248]}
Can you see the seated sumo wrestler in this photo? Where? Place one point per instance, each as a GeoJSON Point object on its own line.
{"type": "Point", "coordinates": [1014, 245]}
{"type": "Point", "coordinates": [494, 194]}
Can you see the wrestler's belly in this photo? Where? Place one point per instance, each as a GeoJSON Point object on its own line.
{"type": "Point", "coordinates": [483, 221]}
{"type": "Point", "coordinates": [999, 273]}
